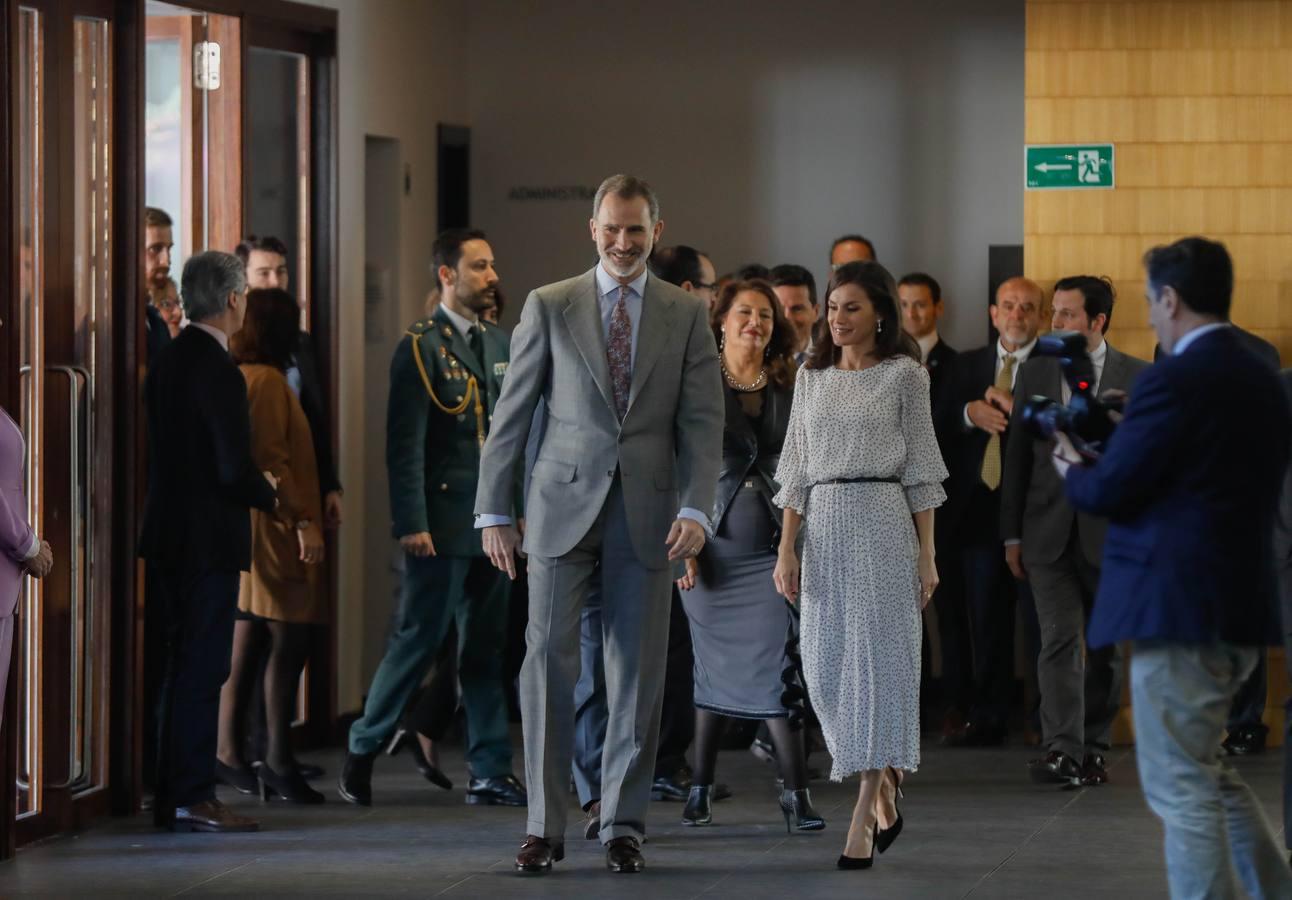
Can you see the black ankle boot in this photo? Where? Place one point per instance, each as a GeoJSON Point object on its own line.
{"type": "Point", "coordinates": [355, 783]}
{"type": "Point", "coordinates": [699, 805]}
{"type": "Point", "coordinates": [796, 807]}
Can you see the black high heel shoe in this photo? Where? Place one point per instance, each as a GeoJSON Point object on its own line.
{"type": "Point", "coordinates": [241, 780]}
{"type": "Point", "coordinates": [884, 837]}
{"type": "Point", "coordinates": [858, 862]}
{"type": "Point", "coordinates": [699, 805]}
{"type": "Point", "coordinates": [796, 807]}
{"type": "Point", "coordinates": [405, 738]}
{"type": "Point", "coordinates": [292, 786]}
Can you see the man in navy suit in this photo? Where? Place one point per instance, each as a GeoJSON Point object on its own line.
{"type": "Point", "coordinates": [1190, 482]}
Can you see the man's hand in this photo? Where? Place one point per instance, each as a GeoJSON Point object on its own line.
{"type": "Point", "coordinates": [685, 539]}
{"type": "Point", "coordinates": [687, 581]}
{"type": "Point", "coordinates": [1002, 400]}
{"type": "Point", "coordinates": [1014, 559]}
{"type": "Point", "coordinates": [1115, 397]}
{"type": "Point", "coordinates": [501, 543]}
{"type": "Point", "coordinates": [40, 565]}
{"type": "Point", "coordinates": [332, 509]}
{"type": "Point", "coordinates": [987, 417]}
{"type": "Point", "coordinates": [418, 544]}
{"type": "Point", "coordinates": [1065, 454]}
{"type": "Point", "coordinates": [310, 539]}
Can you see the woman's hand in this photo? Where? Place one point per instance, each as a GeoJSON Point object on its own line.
{"type": "Point", "coordinates": [311, 542]}
{"type": "Point", "coordinates": [687, 581]}
{"type": "Point", "coordinates": [928, 578]}
{"type": "Point", "coordinates": [786, 574]}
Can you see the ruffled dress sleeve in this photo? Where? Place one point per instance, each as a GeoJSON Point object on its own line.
{"type": "Point", "coordinates": [791, 472]}
{"type": "Point", "coordinates": [923, 470]}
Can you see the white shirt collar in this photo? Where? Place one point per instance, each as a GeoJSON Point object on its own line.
{"type": "Point", "coordinates": [927, 343]}
{"type": "Point", "coordinates": [1099, 354]}
{"type": "Point", "coordinates": [460, 322]}
{"type": "Point", "coordinates": [213, 332]}
{"type": "Point", "coordinates": [608, 284]}
{"type": "Point", "coordinates": [1020, 355]}
{"type": "Point", "coordinates": [1183, 343]}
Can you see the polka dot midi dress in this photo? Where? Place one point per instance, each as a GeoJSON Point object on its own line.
{"type": "Point", "coordinates": [859, 593]}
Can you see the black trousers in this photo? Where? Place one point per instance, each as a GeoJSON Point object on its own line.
{"type": "Point", "coordinates": [199, 641]}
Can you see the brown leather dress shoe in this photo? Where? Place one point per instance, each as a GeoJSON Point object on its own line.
{"type": "Point", "coordinates": [623, 854]}
{"type": "Point", "coordinates": [537, 855]}
{"type": "Point", "coordinates": [211, 815]}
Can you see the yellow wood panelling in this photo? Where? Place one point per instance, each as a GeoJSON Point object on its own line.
{"type": "Point", "coordinates": [1158, 25]}
{"type": "Point", "coordinates": [1158, 73]}
{"type": "Point", "coordinates": [1197, 98]}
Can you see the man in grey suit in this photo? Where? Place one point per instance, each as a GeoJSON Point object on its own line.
{"type": "Point", "coordinates": [627, 371]}
{"type": "Point", "coordinates": [1060, 551]}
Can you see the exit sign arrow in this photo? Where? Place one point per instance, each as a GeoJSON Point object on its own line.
{"type": "Point", "coordinates": [1069, 166]}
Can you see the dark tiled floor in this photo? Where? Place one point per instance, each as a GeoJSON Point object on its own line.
{"type": "Point", "coordinates": [975, 827]}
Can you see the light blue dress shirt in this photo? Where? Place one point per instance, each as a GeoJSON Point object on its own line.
{"type": "Point", "coordinates": [607, 297]}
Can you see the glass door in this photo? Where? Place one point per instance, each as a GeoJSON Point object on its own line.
{"type": "Point", "coordinates": [65, 242]}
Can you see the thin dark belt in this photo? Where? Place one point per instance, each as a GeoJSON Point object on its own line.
{"type": "Point", "coordinates": [859, 481]}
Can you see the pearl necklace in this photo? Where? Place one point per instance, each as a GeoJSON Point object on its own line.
{"type": "Point", "coordinates": [743, 388]}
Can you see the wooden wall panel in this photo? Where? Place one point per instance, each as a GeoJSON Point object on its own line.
{"type": "Point", "coordinates": [1197, 97]}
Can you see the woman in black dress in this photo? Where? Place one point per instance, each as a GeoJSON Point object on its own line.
{"type": "Point", "coordinates": [741, 629]}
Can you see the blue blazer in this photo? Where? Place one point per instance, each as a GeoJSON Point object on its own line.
{"type": "Point", "coordinates": [1190, 482]}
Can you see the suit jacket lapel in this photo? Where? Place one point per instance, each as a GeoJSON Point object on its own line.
{"type": "Point", "coordinates": [458, 345]}
{"type": "Point", "coordinates": [1115, 374]}
{"type": "Point", "coordinates": [657, 320]}
{"type": "Point", "coordinates": [583, 319]}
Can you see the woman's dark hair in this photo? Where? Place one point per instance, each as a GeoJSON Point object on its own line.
{"type": "Point", "coordinates": [780, 349]}
{"type": "Point", "coordinates": [269, 330]}
{"type": "Point", "coordinates": [881, 290]}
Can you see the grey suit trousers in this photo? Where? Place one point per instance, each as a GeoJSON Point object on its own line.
{"type": "Point", "coordinates": [634, 615]}
{"type": "Point", "coordinates": [1080, 688]}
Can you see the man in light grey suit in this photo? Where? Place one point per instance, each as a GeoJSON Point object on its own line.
{"type": "Point", "coordinates": [1060, 551]}
{"type": "Point", "coordinates": [627, 371]}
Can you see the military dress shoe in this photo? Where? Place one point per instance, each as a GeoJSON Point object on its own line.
{"type": "Point", "coordinates": [624, 854]}
{"type": "Point", "coordinates": [1056, 768]}
{"type": "Point", "coordinates": [1246, 740]}
{"type": "Point", "coordinates": [501, 790]}
{"type": "Point", "coordinates": [1094, 770]}
{"type": "Point", "coordinates": [355, 783]}
{"type": "Point", "coordinates": [213, 816]}
{"type": "Point", "coordinates": [975, 735]}
{"type": "Point", "coordinates": [537, 855]}
{"type": "Point", "coordinates": [671, 787]}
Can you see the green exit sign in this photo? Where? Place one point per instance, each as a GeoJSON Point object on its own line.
{"type": "Point", "coordinates": [1066, 166]}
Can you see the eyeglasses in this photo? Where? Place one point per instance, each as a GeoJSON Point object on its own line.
{"type": "Point", "coordinates": [701, 286]}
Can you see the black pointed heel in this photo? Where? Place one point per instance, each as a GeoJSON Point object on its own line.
{"type": "Point", "coordinates": [291, 786]}
{"type": "Point", "coordinates": [699, 805]}
{"type": "Point", "coordinates": [241, 780]}
{"type": "Point", "coordinates": [884, 837]}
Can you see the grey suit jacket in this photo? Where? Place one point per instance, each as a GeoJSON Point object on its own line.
{"type": "Point", "coordinates": [1033, 506]}
{"type": "Point", "coordinates": [668, 449]}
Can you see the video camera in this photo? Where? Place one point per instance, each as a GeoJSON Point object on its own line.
{"type": "Point", "coordinates": [1085, 419]}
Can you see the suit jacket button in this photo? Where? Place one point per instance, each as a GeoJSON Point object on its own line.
{"type": "Point", "coordinates": [444, 487]}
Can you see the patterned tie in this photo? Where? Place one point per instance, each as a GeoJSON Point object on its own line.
{"type": "Point", "coordinates": [619, 352]}
{"type": "Point", "coordinates": [991, 458]}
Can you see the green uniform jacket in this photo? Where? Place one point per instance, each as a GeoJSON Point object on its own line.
{"type": "Point", "coordinates": [433, 440]}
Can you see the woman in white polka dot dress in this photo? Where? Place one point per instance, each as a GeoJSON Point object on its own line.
{"type": "Point", "coordinates": [861, 463]}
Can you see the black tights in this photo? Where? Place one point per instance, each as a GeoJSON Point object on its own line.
{"type": "Point", "coordinates": [287, 647]}
{"type": "Point", "coordinates": [790, 755]}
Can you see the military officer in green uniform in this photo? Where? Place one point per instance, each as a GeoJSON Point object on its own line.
{"type": "Point", "coordinates": [445, 377]}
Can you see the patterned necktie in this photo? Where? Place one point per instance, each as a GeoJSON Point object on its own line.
{"type": "Point", "coordinates": [619, 352]}
{"type": "Point", "coordinates": [991, 458]}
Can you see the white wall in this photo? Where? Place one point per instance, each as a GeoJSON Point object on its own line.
{"type": "Point", "coordinates": [399, 63]}
{"type": "Point", "coordinates": [767, 128]}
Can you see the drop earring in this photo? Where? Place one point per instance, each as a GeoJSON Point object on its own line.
{"type": "Point", "coordinates": [879, 327]}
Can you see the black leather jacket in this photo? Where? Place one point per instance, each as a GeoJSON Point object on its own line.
{"type": "Point", "coordinates": [752, 450]}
